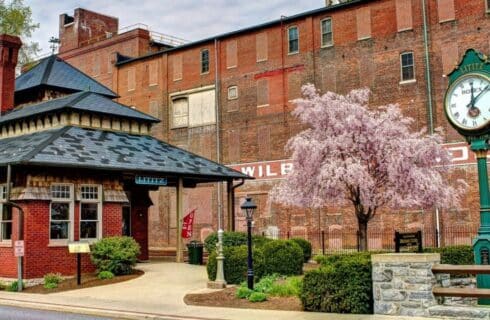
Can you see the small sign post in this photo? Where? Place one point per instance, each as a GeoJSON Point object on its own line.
{"type": "Point", "coordinates": [408, 240]}
{"type": "Point", "coordinates": [79, 248]}
{"type": "Point", "coordinates": [19, 248]}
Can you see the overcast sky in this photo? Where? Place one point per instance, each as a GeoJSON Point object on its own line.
{"type": "Point", "coordinates": [187, 19]}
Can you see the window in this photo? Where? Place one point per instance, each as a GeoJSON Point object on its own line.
{"type": "Point", "coordinates": [261, 46]}
{"type": "Point", "coordinates": [231, 54]}
{"type": "Point", "coordinates": [262, 92]}
{"type": "Point", "coordinates": [61, 212]}
{"type": "Point", "coordinates": [232, 92]}
{"type": "Point", "coordinates": [487, 2]}
{"type": "Point", "coordinates": [153, 73]}
{"type": "Point", "coordinates": [326, 30]}
{"type": "Point", "coordinates": [180, 112]}
{"type": "Point", "coordinates": [205, 61]}
{"type": "Point", "coordinates": [407, 66]}
{"type": "Point", "coordinates": [194, 108]}
{"type": "Point", "coordinates": [131, 79]}
{"type": "Point", "coordinates": [293, 40]}
{"type": "Point", "coordinates": [5, 217]}
{"type": "Point", "coordinates": [90, 212]}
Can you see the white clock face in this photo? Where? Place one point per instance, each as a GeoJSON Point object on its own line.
{"type": "Point", "coordinates": [468, 102]}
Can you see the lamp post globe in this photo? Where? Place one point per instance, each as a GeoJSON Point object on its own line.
{"type": "Point", "coordinates": [249, 207]}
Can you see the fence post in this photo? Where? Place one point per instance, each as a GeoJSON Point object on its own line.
{"type": "Point", "coordinates": [358, 233]}
{"type": "Point", "coordinates": [323, 242]}
{"type": "Point", "coordinates": [288, 235]}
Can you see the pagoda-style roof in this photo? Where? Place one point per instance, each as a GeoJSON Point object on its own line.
{"type": "Point", "coordinates": [77, 147]}
{"type": "Point", "coordinates": [87, 102]}
{"type": "Point", "coordinates": [52, 72]}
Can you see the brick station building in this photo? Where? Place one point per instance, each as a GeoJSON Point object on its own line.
{"type": "Point", "coordinates": [228, 98]}
{"type": "Point", "coordinates": [79, 165]}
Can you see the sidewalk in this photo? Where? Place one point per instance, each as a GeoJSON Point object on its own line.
{"type": "Point", "coordinates": [158, 294]}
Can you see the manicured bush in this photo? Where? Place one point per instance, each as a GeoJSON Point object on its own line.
{"type": "Point", "coordinates": [243, 292]}
{"type": "Point", "coordinates": [454, 254]}
{"type": "Point", "coordinates": [332, 258]}
{"type": "Point", "coordinates": [257, 297]}
{"type": "Point", "coordinates": [283, 257]}
{"type": "Point", "coordinates": [231, 239]}
{"type": "Point", "coordinates": [115, 254]}
{"type": "Point", "coordinates": [105, 275]}
{"type": "Point", "coordinates": [235, 264]}
{"type": "Point", "coordinates": [305, 246]}
{"type": "Point", "coordinates": [51, 280]}
{"type": "Point", "coordinates": [344, 286]}
{"type": "Point", "coordinates": [288, 287]}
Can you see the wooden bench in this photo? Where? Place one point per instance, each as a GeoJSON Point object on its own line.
{"type": "Point", "coordinates": [461, 269]}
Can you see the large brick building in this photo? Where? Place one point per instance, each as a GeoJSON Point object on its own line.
{"type": "Point", "coordinates": [228, 97]}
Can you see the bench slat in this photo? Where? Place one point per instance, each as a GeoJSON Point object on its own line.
{"type": "Point", "coordinates": [461, 269]}
{"type": "Point", "coordinates": [461, 292]}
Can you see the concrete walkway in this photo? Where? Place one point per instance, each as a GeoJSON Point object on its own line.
{"type": "Point", "coordinates": [158, 294]}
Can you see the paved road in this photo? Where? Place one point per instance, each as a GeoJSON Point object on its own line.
{"type": "Point", "coordinates": [10, 313]}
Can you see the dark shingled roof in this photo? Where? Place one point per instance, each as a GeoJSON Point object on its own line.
{"type": "Point", "coordinates": [82, 101]}
{"type": "Point", "coordinates": [56, 73]}
{"type": "Point", "coordinates": [105, 150]}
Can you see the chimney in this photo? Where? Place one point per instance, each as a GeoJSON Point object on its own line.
{"type": "Point", "coordinates": [9, 49]}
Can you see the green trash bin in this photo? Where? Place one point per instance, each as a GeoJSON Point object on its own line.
{"type": "Point", "coordinates": [194, 249]}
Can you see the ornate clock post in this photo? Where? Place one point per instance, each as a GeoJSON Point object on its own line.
{"type": "Point", "coordinates": [467, 107]}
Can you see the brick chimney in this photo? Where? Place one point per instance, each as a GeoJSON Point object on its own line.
{"type": "Point", "coordinates": [9, 49]}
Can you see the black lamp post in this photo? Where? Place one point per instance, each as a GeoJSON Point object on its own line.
{"type": "Point", "coordinates": [249, 207]}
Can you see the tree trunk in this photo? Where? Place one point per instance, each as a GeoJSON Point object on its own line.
{"type": "Point", "coordinates": [362, 234]}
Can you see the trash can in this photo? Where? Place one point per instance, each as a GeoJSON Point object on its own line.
{"type": "Point", "coordinates": [194, 249]}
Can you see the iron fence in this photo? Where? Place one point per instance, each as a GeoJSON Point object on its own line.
{"type": "Point", "coordinates": [346, 240]}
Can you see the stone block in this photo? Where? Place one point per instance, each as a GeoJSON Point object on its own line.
{"type": "Point", "coordinates": [412, 312]}
{"type": "Point", "coordinates": [458, 312]}
{"type": "Point", "coordinates": [420, 266]}
{"type": "Point", "coordinates": [393, 295]}
{"type": "Point", "coordinates": [386, 308]}
{"type": "Point", "coordinates": [419, 280]}
{"type": "Point", "coordinates": [400, 272]}
{"type": "Point", "coordinates": [411, 304]}
{"type": "Point", "coordinates": [385, 286]}
{"type": "Point", "coordinates": [420, 295]}
{"type": "Point", "coordinates": [420, 273]}
{"type": "Point", "coordinates": [382, 275]}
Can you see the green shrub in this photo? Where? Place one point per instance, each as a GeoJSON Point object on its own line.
{"type": "Point", "coordinates": [454, 254]}
{"type": "Point", "coordinates": [305, 246]}
{"type": "Point", "coordinates": [332, 258]}
{"type": "Point", "coordinates": [265, 284]}
{"type": "Point", "coordinates": [283, 257]}
{"type": "Point", "coordinates": [343, 286]}
{"type": "Point", "coordinates": [115, 254]}
{"type": "Point", "coordinates": [233, 239]}
{"type": "Point", "coordinates": [288, 287]}
{"type": "Point", "coordinates": [105, 275]}
{"type": "Point", "coordinates": [257, 297]}
{"type": "Point", "coordinates": [14, 286]}
{"type": "Point", "coordinates": [3, 286]}
{"type": "Point", "coordinates": [235, 264]}
{"type": "Point", "coordinates": [51, 280]}
{"type": "Point", "coordinates": [243, 292]}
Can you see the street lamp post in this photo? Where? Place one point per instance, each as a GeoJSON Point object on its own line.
{"type": "Point", "coordinates": [249, 207]}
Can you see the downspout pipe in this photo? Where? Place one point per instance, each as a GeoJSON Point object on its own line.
{"type": "Point", "coordinates": [233, 227]}
{"type": "Point", "coordinates": [218, 142]}
{"type": "Point", "coordinates": [430, 115]}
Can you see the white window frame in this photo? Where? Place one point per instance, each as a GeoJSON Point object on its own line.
{"type": "Point", "coordinates": [202, 61]}
{"type": "Point", "coordinates": [230, 89]}
{"type": "Point", "coordinates": [3, 199]}
{"type": "Point", "coordinates": [324, 45]}
{"type": "Point", "coordinates": [402, 66]}
{"type": "Point", "coordinates": [99, 220]}
{"type": "Point", "coordinates": [289, 39]}
{"type": "Point", "coordinates": [71, 205]}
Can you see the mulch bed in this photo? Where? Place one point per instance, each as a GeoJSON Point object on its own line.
{"type": "Point", "coordinates": [88, 280]}
{"type": "Point", "coordinates": [227, 298]}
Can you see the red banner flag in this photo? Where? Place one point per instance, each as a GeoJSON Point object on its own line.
{"type": "Point", "coordinates": [187, 225]}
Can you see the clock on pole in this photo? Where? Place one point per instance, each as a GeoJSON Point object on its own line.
{"type": "Point", "coordinates": [467, 107]}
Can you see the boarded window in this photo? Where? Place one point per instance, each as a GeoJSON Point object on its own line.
{"type": "Point", "coordinates": [177, 66]}
{"type": "Point", "coordinates": [445, 10]}
{"type": "Point", "coordinates": [131, 79]}
{"type": "Point", "coordinates": [262, 46]}
{"type": "Point", "coordinates": [232, 92]}
{"type": "Point", "coordinates": [153, 73]}
{"type": "Point", "coordinates": [294, 85]}
{"type": "Point", "coordinates": [264, 142]}
{"type": "Point", "coordinates": [450, 57]}
{"type": "Point", "coordinates": [326, 30]}
{"type": "Point", "coordinates": [234, 146]}
{"type": "Point", "coordinates": [202, 108]}
{"type": "Point", "coordinates": [363, 23]}
{"type": "Point", "coordinates": [231, 54]}
{"type": "Point", "coordinates": [403, 15]}
{"type": "Point", "coordinates": [96, 66]}
{"type": "Point", "coordinates": [293, 40]}
{"type": "Point", "coordinates": [262, 92]}
{"type": "Point", "coordinates": [154, 109]}
{"type": "Point", "coordinates": [407, 66]}
{"type": "Point", "coordinates": [180, 107]}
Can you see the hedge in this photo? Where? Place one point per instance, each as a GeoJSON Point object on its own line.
{"type": "Point", "coordinates": [115, 254]}
{"type": "Point", "coordinates": [233, 239]}
{"type": "Point", "coordinates": [284, 257]}
{"type": "Point", "coordinates": [344, 286]}
{"type": "Point", "coordinates": [235, 264]}
{"type": "Point", "coordinates": [305, 246]}
{"type": "Point", "coordinates": [455, 254]}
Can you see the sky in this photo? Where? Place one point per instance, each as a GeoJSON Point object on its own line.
{"type": "Point", "coordinates": [187, 19]}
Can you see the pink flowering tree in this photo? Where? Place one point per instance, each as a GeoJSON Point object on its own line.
{"type": "Point", "coordinates": [367, 158]}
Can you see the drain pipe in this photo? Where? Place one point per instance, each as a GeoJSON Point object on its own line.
{"type": "Point", "coordinates": [427, 71]}
{"type": "Point", "coordinates": [233, 203]}
{"type": "Point", "coordinates": [20, 225]}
